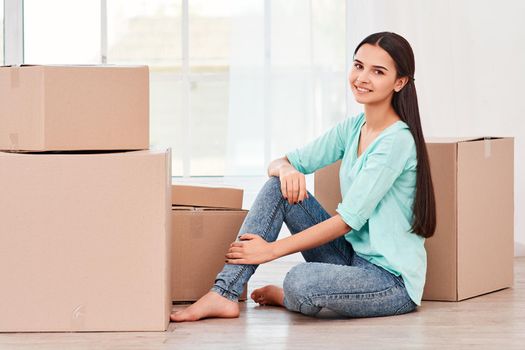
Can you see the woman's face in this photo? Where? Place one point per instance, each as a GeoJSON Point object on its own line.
{"type": "Point", "coordinates": [373, 75]}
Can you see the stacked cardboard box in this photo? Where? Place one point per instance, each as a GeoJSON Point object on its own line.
{"type": "Point", "coordinates": [471, 252]}
{"type": "Point", "coordinates": [68, 108]}
{"type": "Point", "coordinates": [205, 220]}
{"type": "Point", "coordinates": [84, 205]}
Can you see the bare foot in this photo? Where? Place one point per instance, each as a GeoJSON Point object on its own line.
{"type": "Point", "coordinates": [209, 305]}
{"type": "Point", "coordinates": [269, 295]}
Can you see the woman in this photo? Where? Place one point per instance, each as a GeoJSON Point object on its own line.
{"type": "Point", "coordinates": [369, 259]}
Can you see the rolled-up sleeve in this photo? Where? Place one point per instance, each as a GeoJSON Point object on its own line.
{"type": "Point", "coordinates": [382, 167]}
{"type": "Point", "coordinates": [322, 151]}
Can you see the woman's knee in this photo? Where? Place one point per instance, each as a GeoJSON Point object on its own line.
{"type": "Point", "coordinates": [272, 186]}
{"type": "Point", "coordinates": [304, 277]}
{"type": "Point", "coordinates": [297, 287]}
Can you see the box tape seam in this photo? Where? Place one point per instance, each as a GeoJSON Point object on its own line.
{"type": "Point", "coordinates": [15, 76]}
{"type": "Point", "coordinates": [196, 225]}
{"type": "Point", "coordinates": [488, 146]}
{"type": "Point", "coordinates": [78, 317]}
{"type": "Point", "coordinates": [13, 138]}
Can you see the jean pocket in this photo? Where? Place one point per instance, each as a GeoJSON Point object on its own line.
{"type": "Point", "coordinates": [399, 280]}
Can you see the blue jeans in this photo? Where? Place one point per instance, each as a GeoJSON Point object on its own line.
{"type": "Point", "coordinates": [334, 276]}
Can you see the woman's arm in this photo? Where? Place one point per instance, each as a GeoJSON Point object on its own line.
{"type": "Point", "coordinates": [253, 249]}
{"type": "Point", "coordinates": [312, 237]}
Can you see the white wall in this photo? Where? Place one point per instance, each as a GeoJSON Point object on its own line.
{"type": "Point", "coordinates": [470, 69]}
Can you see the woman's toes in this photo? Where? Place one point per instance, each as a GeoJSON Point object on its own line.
{"type": "Point", "coordinates": [176, 316]}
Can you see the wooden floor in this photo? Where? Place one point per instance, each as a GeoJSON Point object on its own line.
{"type": "Point", "coordinates": [491, 321]}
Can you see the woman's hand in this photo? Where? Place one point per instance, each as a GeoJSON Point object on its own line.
{"type": "Point", "coordinates": [293, 184]}
{"type": "Point", "coordinates": [252, 250]}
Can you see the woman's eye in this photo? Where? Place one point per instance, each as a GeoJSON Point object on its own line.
{"type": "Point", "coordinates": [377, 71]}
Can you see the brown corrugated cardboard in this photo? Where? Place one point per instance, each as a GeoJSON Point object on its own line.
{"type": "Point", "coordinates": [326, 187]}
{"type": "Point", "coordinates": [206, 196]}
{"type": "Point", "coordinates": [471, 252]}
{"type": "Point", "coordinates": [56, 108]}
{"type": "Point", "coordinates": [85, 241]}
{"type": "Point", "coordinates": [200, 239]}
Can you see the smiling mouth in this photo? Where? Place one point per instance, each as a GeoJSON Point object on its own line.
{"type": "Point", "coordinates": [362, 89]}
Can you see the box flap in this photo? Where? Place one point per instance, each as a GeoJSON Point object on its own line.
{"type": "Point", "coordinates": [460, 139]}
{"type": "Point", "coordinates": [206, 196]}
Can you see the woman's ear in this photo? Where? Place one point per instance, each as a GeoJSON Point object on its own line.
{"type": "Point", "coordinates": [400, 84]}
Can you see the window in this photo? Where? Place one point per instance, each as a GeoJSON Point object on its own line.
{"type": "Point", "coordinates": [189, 103]}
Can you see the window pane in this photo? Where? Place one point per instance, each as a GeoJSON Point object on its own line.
{"type": "Point", "coordinates": [209, 125]}
{"type": "Point", "coordinates": [145, 32]}
{"type": "Point", "coordinates": [210, 32]}
{"type": "Point", "coordinates": [166, 129]}
{"type": "Point", "coordinates": [62, 31]}
{"type": "Point", "coordinates": [2, 31]}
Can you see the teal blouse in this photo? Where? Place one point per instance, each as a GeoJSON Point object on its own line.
{"type": "Point", "coordinates": [378, 190]}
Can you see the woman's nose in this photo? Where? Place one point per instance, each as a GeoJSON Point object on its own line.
{"type": "Point", "coordinates": [363, 77]}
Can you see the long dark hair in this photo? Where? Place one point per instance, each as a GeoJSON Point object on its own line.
{"type": "Point", "coordinates": [405, 105]}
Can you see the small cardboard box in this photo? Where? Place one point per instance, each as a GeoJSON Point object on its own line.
{"type": "Point", "coordinates": [205, 220]}
{"type": "Point", "coordinates": [206, 196]}
{"type": "Point", "coordinates": [471, 252]}
{"type": "Point", "coordinates": [200, 241]}
{"type": "Point", "coordinates": [85, 241]}
{"type": "Point", "coordinates": [66, 108]}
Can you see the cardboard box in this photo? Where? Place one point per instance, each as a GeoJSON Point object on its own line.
{"type": "Point", "coordinates": [85, 241]}
{"type": "Point", "coordinates": [205, 220]}
{"type": "Point", "coordinates": [206, 196]}
{"type": "Point", "coordinates": [58, 108]}
{"type": "Point", "coordinates": [471, 252]}
{"type": "Point", "coordinates": [201, 238]}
